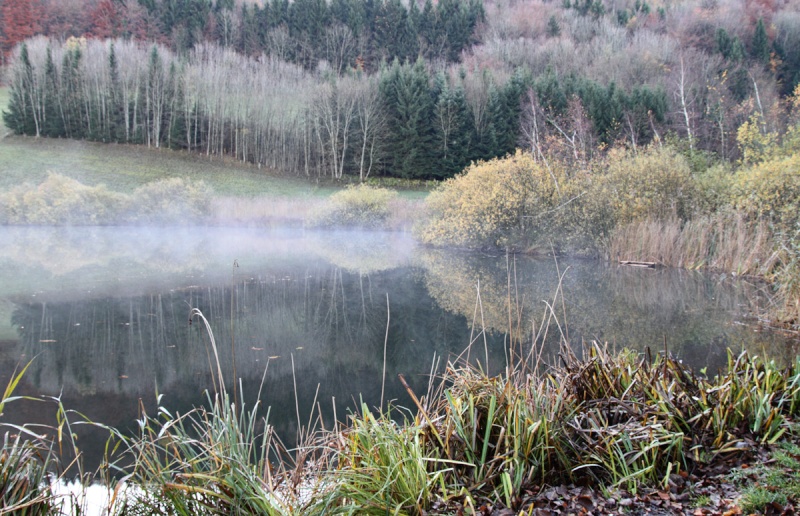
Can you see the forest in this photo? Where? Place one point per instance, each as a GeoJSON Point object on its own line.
{"type": "Point", "coordinates": [413, 90]}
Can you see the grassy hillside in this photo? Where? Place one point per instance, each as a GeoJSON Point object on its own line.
{"type": "Point", "coordinates": [123, 168]}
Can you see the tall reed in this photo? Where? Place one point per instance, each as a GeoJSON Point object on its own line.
{"type": "Point", "coordinates": [723, 241]}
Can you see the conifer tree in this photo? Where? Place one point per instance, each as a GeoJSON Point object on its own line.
{"type": "Point", "coordinates": [759, 47]}
{"type": "Point", "coordinates": [116, 113]}
{"type": "Point", "coordinates": [51, 122]}
{"type": "Point", "coordinates": [553, 28]}
{"type": "Point", "coordinates": [406, 95]}
{"type": "Point", "coordinates": [21, 116]}
{"type": "Point", "coordinates": [452, 129]}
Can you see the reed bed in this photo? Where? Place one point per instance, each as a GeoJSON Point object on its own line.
{"type": "Point", "coordinates": [726, 242]}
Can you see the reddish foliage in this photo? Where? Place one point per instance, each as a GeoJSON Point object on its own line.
{"type": "Point", "coordinates": [105, 20]}
{"type": "Point", "coordinates": [20, 20]}
{"type": "Point", "coordinates": [64, 18]}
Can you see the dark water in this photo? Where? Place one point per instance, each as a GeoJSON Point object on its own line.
{"type": "Point", "coordinates": [104, 315]}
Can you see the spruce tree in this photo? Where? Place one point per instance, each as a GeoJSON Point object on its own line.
{"type": "Point", "coordinates": [20, 116]}
{"type": "Point", "coordinates": [406, 96]}
{"type": "Point", "coordinates": [553, 28]}
{"type": "Point", "coordinates": [759, 47]}
{"type": "Point", "coordinates": [116, 115]}
{"type": "Point", "coordinates": [452, 123]}
{"type": "Point", "coordinates": [51, 122]}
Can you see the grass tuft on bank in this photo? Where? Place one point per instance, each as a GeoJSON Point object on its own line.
{"type": "Point", "coordinates": [620, 424]}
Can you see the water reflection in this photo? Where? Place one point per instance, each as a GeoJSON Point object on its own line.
{"type": "Point", "coordinates": [105, 314]}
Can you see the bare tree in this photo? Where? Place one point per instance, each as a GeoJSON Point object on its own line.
{"type": "Point", "coordinates": [371, 122]}
{"type": "Point", "coordinates": [340, 47]}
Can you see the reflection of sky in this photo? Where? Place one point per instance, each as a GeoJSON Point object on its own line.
{"type": "Point", "coordinates": [105, 313]}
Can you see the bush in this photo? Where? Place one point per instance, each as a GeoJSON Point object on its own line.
{"type": "Point", "coordinates": [61, 200]}
{"type": "Point", "coordinates": [770, 190]}
{"type": "Point", "coordinates": [655, 183]}
{"type": "Point", "coordinates": [171, 201]}
{"type": "Point", "coordinates": [494, 203]}
{"type": "Point", "coordinates": [356, 206]}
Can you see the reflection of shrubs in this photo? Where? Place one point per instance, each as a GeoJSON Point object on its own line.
{"type": "Point", "coordinates": [356, 206]}
{"type": "Point", "coordinates": [61, 200]}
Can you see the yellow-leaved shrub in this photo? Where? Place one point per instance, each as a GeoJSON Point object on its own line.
{"type": "Point", "coordinates": [171, 201]}
{"type": "Point", "coordinates": [493, 203]}
{"type": "Point", "coordinates": [60, 200]}
{"type": "Point", "coordinates": [356, 206]}
{"type": "Point", "coordinates": [655, 183]}
{"type": "Point", "coordinates": [770, 190]}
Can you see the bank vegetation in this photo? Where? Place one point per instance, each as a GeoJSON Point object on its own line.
{"type": "Point", "coordinates": [663, 204]}
{"type": "Point", "coordinates": [622, 425]}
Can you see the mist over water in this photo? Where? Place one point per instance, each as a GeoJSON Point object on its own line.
{"type": "Point", "coordinates": [104, 314]}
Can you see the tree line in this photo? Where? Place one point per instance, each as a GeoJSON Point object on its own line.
{"type": "Point", "coordinates": [406, 120]}
{"type": "Point", "coordinates": [338, 33]}
{"type": "Point", "coordinates": [568, 80]}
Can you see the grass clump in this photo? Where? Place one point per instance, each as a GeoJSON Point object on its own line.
{"type": "Point", "coordinates": [359, 206]}
{"type": "Point", "coordinates": [24, 479]}
{"type": "Point", "coordinates": [213, 460]}
{"type": "Point", "coordinates": [611, 421]}
{"type": "Point", "coordinates": [382, 467]}
{"type": "Point", "coordinates": [26, 461]}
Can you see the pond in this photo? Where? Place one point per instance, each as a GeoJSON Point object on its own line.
{"type": "Point", "coordinates": [300, 317]}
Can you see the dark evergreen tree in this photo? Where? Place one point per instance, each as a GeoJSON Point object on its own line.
{"type": "Point", "coordinates": [408, 104]}
{"type": "Point", "coordinates": [553, 28]}
{"type": "Point", "coordinates": [455, 29]}
{"type": "Point", "coordinates": [504, 114]}
{"type": "Point", "coordinates": [390, 32]}
{"type": "Point", "coordinates": [249, 41]}
{"type": "Point", "coordinates": [307, 22]}
{"type": "Point", "coordinates": [550, 92]}
{"type": "Point", "coordinates": [278, 13]}
{"type": "Point", "coordinates": [759, 47]}
{"type": "Point", "coordinates": [20, 117]}
{"type": "Point", "coordinates": [116, 115]}
{"type": "Point", "coordinates": [70, 95]}
{"type": "Point", "coordinates": [724, 42]}
{"type": "Point", "coordinates": [453, 128]}
{"type": "Point", "coordinates": [51, 121]}
{"type": "Point", "coordinates": [788, 72]}
{"type": "Point", "coordinates": [739, 83]}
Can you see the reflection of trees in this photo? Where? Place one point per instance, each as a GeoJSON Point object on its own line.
{"type": "Point", "coordinates": [627, 307]}
{"type": "Point", "coordinates": [331, 321]}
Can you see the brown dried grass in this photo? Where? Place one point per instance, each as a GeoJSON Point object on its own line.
{"type": "Point", "coordinates": [724, 241]}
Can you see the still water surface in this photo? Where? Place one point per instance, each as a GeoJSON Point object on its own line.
{"type": "Point", "coordinates": [104, 315]}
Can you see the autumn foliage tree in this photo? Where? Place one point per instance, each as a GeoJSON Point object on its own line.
{"type": "Point", "coordinates": [20, 21]}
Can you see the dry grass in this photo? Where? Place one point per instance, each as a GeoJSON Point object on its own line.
{"type": "Point", "coordinates": [264, 211]}
{"type": "Point", "coordinates": [724, 242]}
